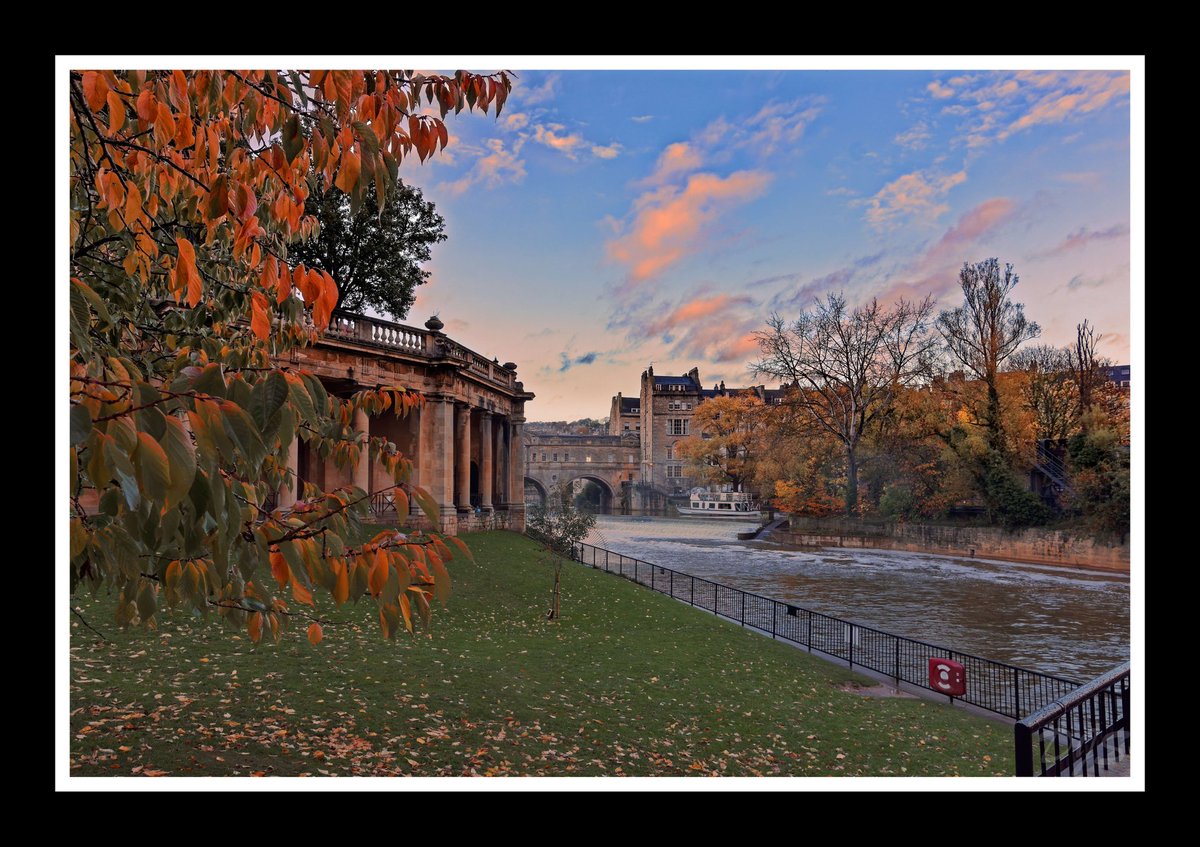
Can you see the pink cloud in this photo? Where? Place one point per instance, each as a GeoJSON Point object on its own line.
{"type": "Point", "coordinates": [935, 272]}
{"type": "Point", "coordinates": [692, 312]}
{"type": "Point", "coordinates": [941, 92]}
{"type": "Point", "coordinates": [675, 159]}
{"type": "Point", "coordinates": [916, 194]}
{"type": "Point", "coordinates": [669, 220]}
{"type": "Point", "coordinates": [491, 170]}
{"type": "Point", "coordinates": [1082, 237]}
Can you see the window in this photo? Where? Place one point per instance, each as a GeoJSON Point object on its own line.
{"type": "Point", "coordinates": [678, 426]}
{"type": "Point", "coordinates": [674, 471]}
{"type": "Point", "coordinates": [671, 452]}
{"type": "Point", "coordinates": [627, 427]}
{"type": "Point", "coordinates": [556, 457]}
{"type": "Point", "coordinates": [587, 458]}
{"type": "Point", "coordinates": [687, 406]}
{"type": "Point", "coordinates": [566, 457]}
{"type": "Point", "coordinates": [543, 457]}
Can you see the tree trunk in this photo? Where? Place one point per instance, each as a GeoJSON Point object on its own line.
{"type": "Point", "coordinates": [555, 595]}
{"type": "Point", "coordinates": [994, 423]}
{"type": "Point", "coordinates": [851, 481]}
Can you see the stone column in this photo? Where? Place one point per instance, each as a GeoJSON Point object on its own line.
{"type": "Point", "coordinates": [516, 475]}
{"type": "Point", "coordinates": [362, 471]}
{"type": "Point", "coordinates": [500, 460]}
{"type": "Point", "coordinates": [485, 460]}
{"type": "Point", "coordinates": [462, 457]}
{"type": "Point", "coordinates": [416, 425]}
{"type": "Point", "coordinates": [435, 473]}
{"type": "Point", "coordinates": [287, 496]}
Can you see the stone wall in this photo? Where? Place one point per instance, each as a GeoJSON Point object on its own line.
{"type": "Point", "coordinates": [1040, 546]}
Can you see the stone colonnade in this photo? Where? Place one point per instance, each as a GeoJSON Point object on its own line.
{"type": "Point", "coordinates": [469, 459]}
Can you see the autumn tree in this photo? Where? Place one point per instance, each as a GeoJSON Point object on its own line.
{"type": "Point", "coordinates": [1048, 388]}
{"type": "Point", "coordinates": [846, 365]}
{"type": "Point", "coordinates": [375, 251]}
{"type": "Point", "coordinates": [984, 332]}
{"type": "Point", "coordinates": [724, 445]}
{"type": "Point", "coordinates": [188, 192]}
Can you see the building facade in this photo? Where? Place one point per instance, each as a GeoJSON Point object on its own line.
{"type": "Point", "coordinates": [466, 440]}
{"type": "Point", "coordinates": [662, 415]}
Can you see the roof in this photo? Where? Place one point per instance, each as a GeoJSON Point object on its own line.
{"type": "Point", "coordinates": [673, 380]}
{"type": "Point", "coordinates": [628, 404]}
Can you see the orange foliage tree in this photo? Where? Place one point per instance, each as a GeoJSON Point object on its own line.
{"type": "Point", "coordinates": [186, 190]}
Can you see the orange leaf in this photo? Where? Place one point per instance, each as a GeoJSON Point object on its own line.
{"type": "Point", "coordinates": [348, 170]}
{"type": "Point", "coordinates": [189, 277]}
{"type": "Point", "coordinates": [116, 112]}
{"type": "Point", "coordinates": [95, 90]}
{"type": "Point", "coordinates": [283, 282]}
{"type": "Point", "coordinates": [379, 573]}
{"type": "Point", "coordinates": [260, 325]}
{"type": "Point", "coordinates": [255, 626]}
{"type": "Point", "coordinates": [280, 569]}
{"type": "Point", "coordinates": [300, 593]}
{"type": "Point", "coordinates": [314, 633]}
{"type": "Point", "coordinates": [341, 588]}
{"type": "Point", "coordinates": [147, 107]}
{"type": "Point", "coordinates": [164, 124]}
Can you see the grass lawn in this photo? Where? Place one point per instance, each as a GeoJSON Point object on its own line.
{"type": "Point", "coordinates": [627, 683]}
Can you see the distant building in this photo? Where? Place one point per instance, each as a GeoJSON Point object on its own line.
{"type": "Point", "coordinates": [662, 415]}
{"type": "Point", "coordinates": [1118, 374]}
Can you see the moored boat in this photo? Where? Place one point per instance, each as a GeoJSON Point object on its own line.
{"type": "Point", "coordinates": [721, 504]}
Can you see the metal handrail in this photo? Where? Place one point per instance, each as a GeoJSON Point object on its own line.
{"type": "Point", "coordinates": [997, 687]}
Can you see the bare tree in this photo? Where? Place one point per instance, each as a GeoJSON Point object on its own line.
{"type": "Point", "coordinates": [1085, 366]}
{"type": "Point", "coordinates": [1049, 388]}
{"type": "Point", "coordinates": [559, 525]}
{"type": "Point", "coordinates": [984, 331]}
{"type": "Point", "coordinates": [847, 365]}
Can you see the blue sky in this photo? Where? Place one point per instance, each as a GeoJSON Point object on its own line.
{"type": "Point", "coordinates": [610, 219]}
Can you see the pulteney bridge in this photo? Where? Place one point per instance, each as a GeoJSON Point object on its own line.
{"type": "Point", "coordinates": [612, 462]}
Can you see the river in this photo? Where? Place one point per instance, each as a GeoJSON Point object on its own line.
{"type": "Point", "coordinates": [1061, 621]}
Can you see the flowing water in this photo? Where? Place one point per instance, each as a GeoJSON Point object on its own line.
{"type": "Point", "coordinates": [1062, 621]}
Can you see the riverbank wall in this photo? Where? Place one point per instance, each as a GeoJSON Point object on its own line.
{"type": "Point", "coordinates": [1035, 546]}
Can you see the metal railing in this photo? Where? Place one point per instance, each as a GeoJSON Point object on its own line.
{"type": "Point", "coordinates": [995, 686]}
{"type": "Point", "coordinates": [1052, 467]}
{"type": "Point", "coordinates": [1091, 721]}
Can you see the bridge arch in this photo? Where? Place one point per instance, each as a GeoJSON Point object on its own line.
{"type": "Point", "coordinates": [534, 491]}
{"type": "Point", "coordinates": [608, 496]}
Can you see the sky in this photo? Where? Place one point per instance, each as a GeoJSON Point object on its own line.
{"type": "Point", "coordinates": [612, 219]}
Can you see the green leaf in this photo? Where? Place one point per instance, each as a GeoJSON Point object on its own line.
{"type": "Point", "coordinates": [181, 460]}
{"type": "Point", "coordinates": [241, 430]}
{"type": "Point", "coordinates": [298, 87]}
{"type": "Point", "coordinates": [94, 300]}
{"type": "Point", "coordinates": [302, 401]}
{"type": "Point", "coordinates": [266, 399]}
{"type": "Point", "coordinates": [210, 381]}
{"type": "Point", "coordinates": [120, 466]}
{"type": "Point", "coordinates": [81, 424]}
{"type": "Point", "coordinates": [80, 320]}
{"type": "Point", "coordinates": [293, 141]}
{"type": "Point", "coordinates": [317, 392]}
{"type": "Point", "coordinates": [79, 537]}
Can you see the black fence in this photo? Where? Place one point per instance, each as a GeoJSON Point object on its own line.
{"type": "Point", "coordinates": [997, 687]}
{"type": "Point", "coordinates": [1088, 726]}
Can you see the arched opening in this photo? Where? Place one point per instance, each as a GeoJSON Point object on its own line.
{"type": "Point", "coordinates": [592, 493]}
{"type": "Point", "coordinates": [535, 493]}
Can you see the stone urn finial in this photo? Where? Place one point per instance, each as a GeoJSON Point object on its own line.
{"type": "Point", "coordinates": [434, 324]}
